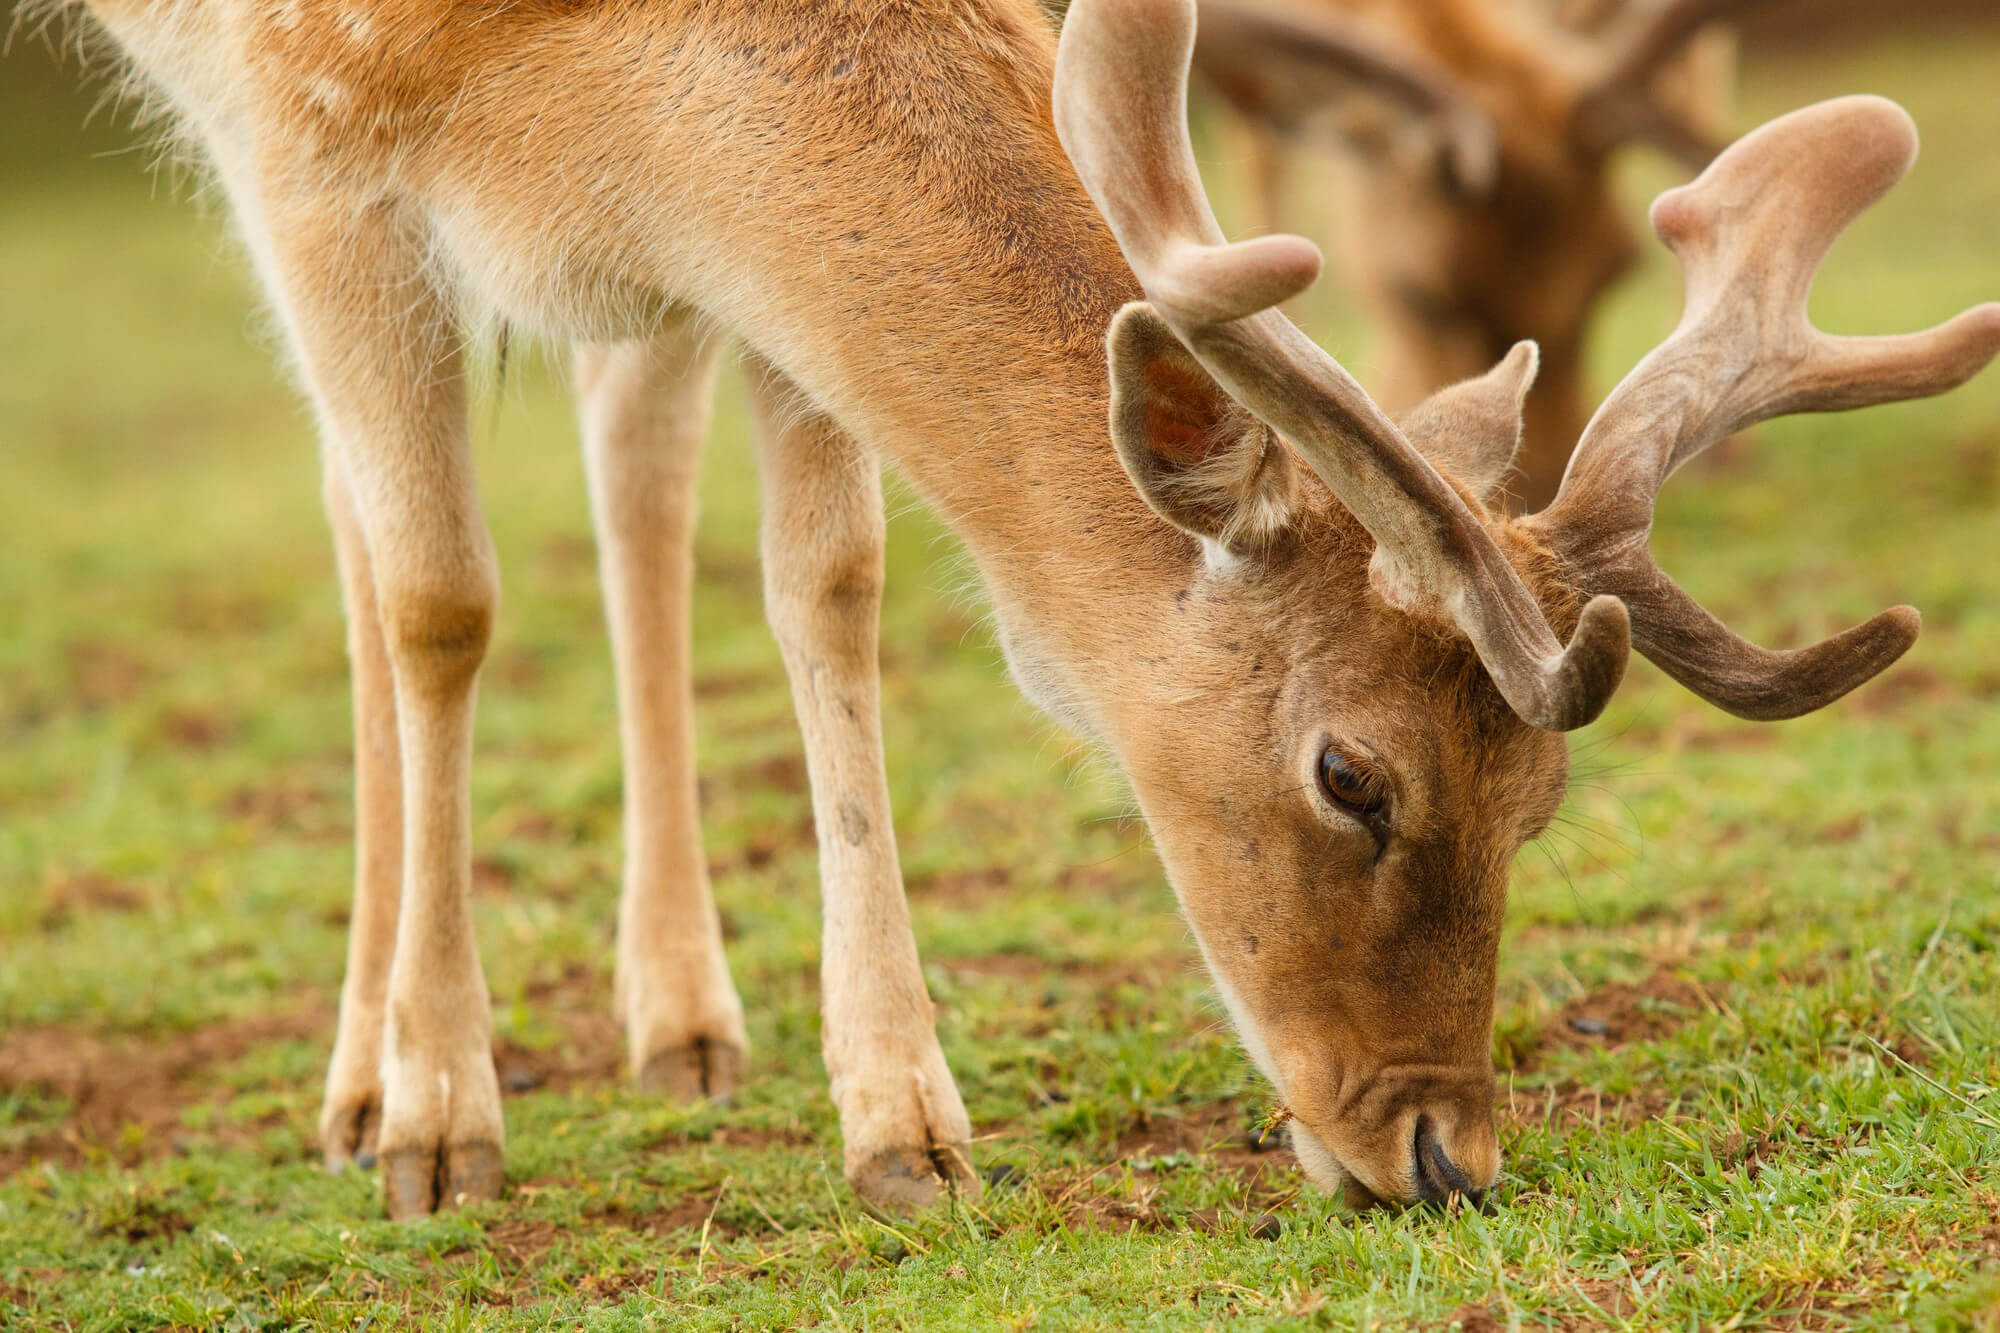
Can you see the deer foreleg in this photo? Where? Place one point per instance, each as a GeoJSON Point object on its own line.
{"type": "Point", "coordinates": [380, 354]}
{"type": "Point", "coordinates": [907, 1136]}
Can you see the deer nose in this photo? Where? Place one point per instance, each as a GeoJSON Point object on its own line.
{"type": "Point", "coordinates": [1437, 1176]}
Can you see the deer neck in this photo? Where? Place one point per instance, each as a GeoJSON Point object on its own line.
{"type": "Point", "coordinates": [1015, 456]}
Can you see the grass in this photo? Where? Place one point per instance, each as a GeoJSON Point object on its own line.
{"type": "Point", "coordinates": [1747, 1014]}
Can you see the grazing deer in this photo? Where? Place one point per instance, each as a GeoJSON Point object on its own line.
{"type": "Point", "coordinates": [1472, 199]}
{"type": "Point", "coordinates": [1333, 674]}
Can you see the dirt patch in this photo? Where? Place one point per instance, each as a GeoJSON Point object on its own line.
{"type": "Point", "coordinates": [144, 1219]}
{"type": "Point", "coordinates": [1727, 735]}
{"type": "Point", "coordinates": [1613, 1300]}
{"type": "Point", "coordinates": [292, 810]}
{"type": "Point", "coordinates": [764, 846]}
{"type": "Point", "coordinates": [724, 684]}
{"type": "Point", "coordinates": [534, 826]}
{"type": "Point", "coordinates": [201, 607]}
{"type": "Point", "coordinates": [1607, 1018]}
{"type": "Point", "coordinates": [1083, 975]}
{"type": "Point", "coordinates": [1221, 1133]}
{"type": "Point", "coordinates": [689, 1213]}
{"type": "Point", "coordinates": [1567, 1105]}
{"type": "Point", "coordinates": [518, 1241]}
{"type": "Point", "coordinates": [962, 886]}
{"type": "Point", "coordinates": [89, 895]}
{"type": "Point", "coordinates": [196, 729]}
{"type": "Point", "coordinates": [751, 1137]}
{"type": "Point", "coordinates": [20, 1295]}
{"type": "Point", "coordinates": [592, 1051]}
{"type": "Point", "coordinates": [1218, 1135]}
{"type": "Point", "coordinates": [127, 1094]}
{"type": "Point", "coordinates": [977, 887]}
{"type": "Point", "coordinates": [103, 673]}
{"type": "Point", "coordinates": [1902, 687]}
{"type": "Point", "coordinates": [1618, 1013]}
{"type": "Point", "coordinates": [591, 1048]}
{"type": "Point", "coordinates": [779, 772]}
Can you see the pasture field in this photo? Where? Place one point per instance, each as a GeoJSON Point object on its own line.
{"type": "Point", "coordinates": [1750, 990]}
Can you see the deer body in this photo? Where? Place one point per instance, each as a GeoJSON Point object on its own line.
{"type": "Point", "coordinates": [1332, 673]}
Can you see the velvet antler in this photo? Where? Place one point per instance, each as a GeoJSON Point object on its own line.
{"type": "Point", "coordinates": [1121, 111]}
{"type": "Point", "coordinates": [1751, 233]}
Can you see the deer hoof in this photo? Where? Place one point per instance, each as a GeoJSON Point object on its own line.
{"type": "Point", "coordinates": [420, 1181]}
{"type": "Point", "coordinates": [909, 1180]}
{"type": "Point", "coordinates": [348, 1129]}
{"type": "Point", "coordinates": [704, 1067]}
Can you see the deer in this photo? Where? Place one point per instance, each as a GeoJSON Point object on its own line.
{"type": "Point", "coordinates": [1336, 677]}
{"type": "Point", "coordinates": [1468, 173]}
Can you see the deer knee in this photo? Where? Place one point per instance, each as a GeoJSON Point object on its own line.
{"type": "Point", "coordinates": [437, 628]}
{"type": "Point", "coordinates": [837, 584]}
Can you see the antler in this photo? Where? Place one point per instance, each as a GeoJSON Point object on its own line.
{"type": "Point", "coordinates": [1618, 105]}
{"type": "Point", "coordinates": [1121, 112]}
{"type": "Point", "coordinates": [1276, 66]}
{"type": "Point", "coordinates": [1751, 233]}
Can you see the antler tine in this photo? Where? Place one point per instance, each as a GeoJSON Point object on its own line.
{"type": "Point", "coordinates": [1121, 112]}
{"type": "Point", "coordinates": [1617, 104]}
{"type": "Point", "coordinates": [1286, 56]}
{"type": "Point", "coordinates": [1750, 234]}
{"type": "Point", "coordinates": [1645, 35]}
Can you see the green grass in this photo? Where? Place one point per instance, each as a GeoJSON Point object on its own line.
{"type": "Point", "coordinates": [1794, 931]}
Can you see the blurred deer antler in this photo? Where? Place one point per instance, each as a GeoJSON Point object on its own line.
{"type": "Point", "coordinates": [1617, 104]}
{"type": "Point", "coordinates": [1285, 67]}
{"type": "Point", "coordinates": [1751, 233]}
{"type": "Point", "coordinates": [1121, 112]}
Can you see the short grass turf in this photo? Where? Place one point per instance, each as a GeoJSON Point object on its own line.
{"type": "Point", "coordinates": [1747, 1000]}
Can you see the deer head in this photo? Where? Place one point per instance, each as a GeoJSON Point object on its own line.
{"type": "Point", "coordinates": [1477, 137]}
{"type": "Point", "coordinates": [1374, 669]}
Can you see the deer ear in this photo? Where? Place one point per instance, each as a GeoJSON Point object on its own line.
{"type": "Point", "coordinates": [1471, 430]}
{"type": "Point", "coordinates": [1202, 462]}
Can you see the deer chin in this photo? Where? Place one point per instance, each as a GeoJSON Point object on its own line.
{"type": "Point", "coordinates": [1327, 1171]}
{"type": "Point", "coordinates": [1322, 1167]}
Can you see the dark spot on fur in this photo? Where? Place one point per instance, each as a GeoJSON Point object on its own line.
{"type": "Point", "coordinates": [1252, 851]}
{"type": "Point", "coordinates": [1232, 647]}
{"type": "Point", "coordinates": [1250, 944]}
{"type": "Point", "coordinates": [853, 822]}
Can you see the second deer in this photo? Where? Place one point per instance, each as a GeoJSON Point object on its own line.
{"type": "Point", "coordinates": [1469, 175]}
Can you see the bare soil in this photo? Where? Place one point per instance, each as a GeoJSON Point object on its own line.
{"type": "Point", "coordinates": [1617, 1014]}
{"type": "Point", "coordinates": [127, 1094]}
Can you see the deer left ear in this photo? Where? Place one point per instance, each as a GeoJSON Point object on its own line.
{"type": "Point", "coordinates": [1471, 430]}
{"type": "Point", "coordinates": [1202, 462]}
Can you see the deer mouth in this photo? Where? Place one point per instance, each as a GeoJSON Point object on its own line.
{"type": "Point", "coordinates": [1327, 1171]}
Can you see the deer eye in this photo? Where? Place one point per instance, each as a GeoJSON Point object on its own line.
{"type": "Point", "coordinates": [1353, 783]}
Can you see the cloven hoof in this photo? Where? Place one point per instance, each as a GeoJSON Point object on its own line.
{"type": "Point", "coordinates": [908, 1180]}
{"type": "Point", "coordinates": [703, 1068]}
{"type": "Point", "coordinates": [419, 1181]}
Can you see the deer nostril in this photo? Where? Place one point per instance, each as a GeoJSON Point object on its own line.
{"type": "Point", "coordinates": [1438, 1177]}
